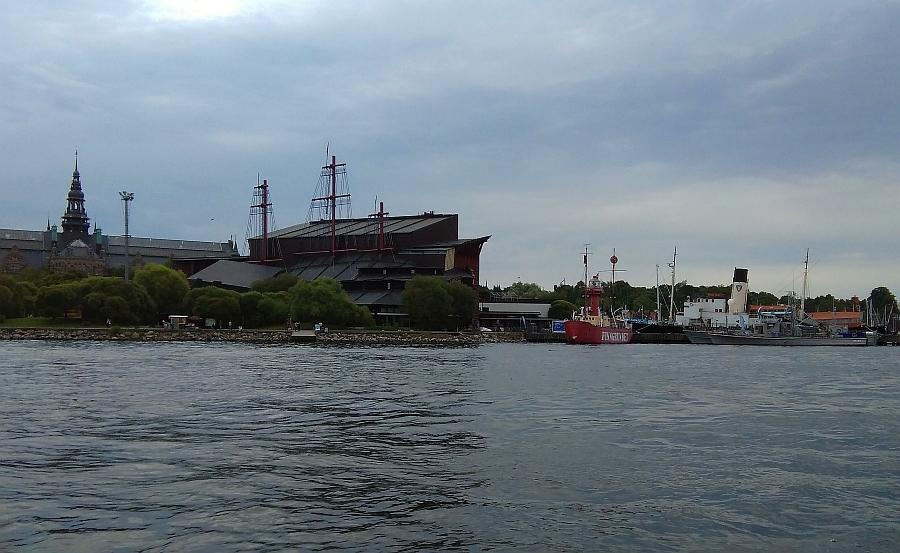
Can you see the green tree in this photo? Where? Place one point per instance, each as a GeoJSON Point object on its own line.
{"type": "Point", "coordinates": [882, 298]}
{"type": "Point", "coordinates": [761, 298]}
{"type": "Point", "coordinates": [117, 310]}
{"type": "Point", "coordinates": [249, 301]}
{"type": "Point", "coordinates": [20, 298]}
{"type": "Point", "coordinates": [210, 302]}
{"type": "Point", "coordinates": [273, 308]}
{"type": "Point", "coordinates": [427, 302]}
{"type": "Point", "coordinates": [525, 290]}
{"type": "Point", "coordinates": [27, 292]}
{"type": "Point", "coordinates": [463, 304]}
{"type": "Point", "coordinates": [8, 306]}
{"type": "Point", "coordinates": [644, 299]}
{"type": "Point", "coordinates": [279, 283]}
{"type": "Point", "coordinates": [432, 303]}
{"type": "Point", "coordinates": [56, 299]}
{"type": "Point", "coordinates": [95, 293]}
{"type": "Point", "coordinates": [166, 287]}
{"type": "Point", "coordinates": [324, 301]}
{"type": "Point", "coordinates": [561, 309]}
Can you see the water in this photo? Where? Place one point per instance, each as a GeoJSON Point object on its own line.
{"type": "Point", "coordinates": [182, 447]}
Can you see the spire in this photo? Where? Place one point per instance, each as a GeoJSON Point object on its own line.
{"type": "Point", "coordinates": [75, 219]}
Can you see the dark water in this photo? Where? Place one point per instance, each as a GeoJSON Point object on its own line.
{"type": "Point", "coordinates": [173, 447]}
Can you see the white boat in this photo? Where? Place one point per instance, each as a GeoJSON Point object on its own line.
{"type": "Point", "coordinates": [784, 326]}
{"type": "Point", "coordinates": [702, 316]}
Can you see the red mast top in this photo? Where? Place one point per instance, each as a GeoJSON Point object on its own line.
{"type": "Point", "coordinates": [380, 214]}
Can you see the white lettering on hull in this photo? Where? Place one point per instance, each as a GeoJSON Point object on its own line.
{"type": "Point", "coordinates": [614, 336]}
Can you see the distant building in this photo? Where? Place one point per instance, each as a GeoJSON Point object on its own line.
{"type": "Point", "coordinates": [373, 258]}
{"type": "Point", "coordinates": [838, 318]}
{"type": "Point", "coordinates": [75, 247]}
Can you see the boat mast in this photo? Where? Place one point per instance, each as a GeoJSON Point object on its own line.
{"type": "Point", "coordinates": [672, 290]}
{"type": "Point", "coordinates": [805, 273]}
{"type": "Point", "coordinates": [584, 303]}
{"type": "Point", "coordinates": [658, 310]}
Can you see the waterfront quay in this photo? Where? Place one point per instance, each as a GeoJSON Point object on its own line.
{"type": "Point", "coordinates": [349, 337]}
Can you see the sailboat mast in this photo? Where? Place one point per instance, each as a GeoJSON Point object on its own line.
{"type": "Point", "coordinates": [672, 290]}
{"type": "Point", "coordinates": [658, 311]}
{"type": "Point", "coordinates": [805, 274]}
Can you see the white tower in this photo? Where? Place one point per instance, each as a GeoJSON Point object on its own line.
{"type": "Point", "coordinates": [737, 304]}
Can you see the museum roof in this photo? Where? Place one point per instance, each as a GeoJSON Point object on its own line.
{"type": "Point", "coordinates": [234, 273]}
{"type": "Point", "coordinates": [364, 226]}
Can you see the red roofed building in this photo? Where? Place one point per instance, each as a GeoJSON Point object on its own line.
{"type": "Point", "coordinates": [840, 318]}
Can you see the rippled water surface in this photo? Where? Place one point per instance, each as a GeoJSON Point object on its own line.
{"type": "Point", "coordinates": [178, 447]}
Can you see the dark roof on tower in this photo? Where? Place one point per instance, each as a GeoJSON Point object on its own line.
{"type": "Point", "coordinates": [75, 219]}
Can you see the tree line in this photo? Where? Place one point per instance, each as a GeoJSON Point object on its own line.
{"type": "Point", "coordinates": [567, 298]}
{"type": "Point", "coordinates": [157, 291]}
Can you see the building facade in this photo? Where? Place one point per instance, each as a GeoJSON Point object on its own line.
{"type": "Point", "coordinates": [72, 246]}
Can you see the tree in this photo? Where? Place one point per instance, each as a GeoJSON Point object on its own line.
{"type": "Point", "coordinates": [325, 301]}
{"type": "Point", "coordinates": [272, 308]}
{"type": "Point", "coordinates": [210, 302]}
{"type": "Point", "coordinates": [166, 287]}
{"type": "Point", "coordinates": [249, 301]}
{"type": "Point", "coordinates": [882, 298]}
{"type": "Point", "coordinates": [55, 300]}
{"type": "Point", "coordinates": [463, 304]}
{"type": "Point", "coordinates": [278, 283]}
{"type": "Point", "coordinates": [117, 310]}
{"type": "Point", "coordinates": [432, 303]}
{"type": "Point", "coordinates": [8, 307]}
{"type": "Point", "coordinates": [15, 297]}
{"type": "Point", "coordinates": [761, 298]}
{"type": "Point", "coordinates": [525, 290]}
{"type": "Point", "coordinates": [427, 302]}
{"type": "Point", "coordinates": [134, 305]}
{"type": "Point", "coordinates": [561, 309]}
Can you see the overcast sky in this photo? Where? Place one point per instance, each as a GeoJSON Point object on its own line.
{"type": "Point", "coordinates": [740, 132]}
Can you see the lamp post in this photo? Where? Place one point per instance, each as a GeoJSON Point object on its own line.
{"type": "Point", "coordinates": [126, 198]}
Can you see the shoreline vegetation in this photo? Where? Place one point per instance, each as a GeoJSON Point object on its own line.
{"type": "Point", "coordinates": [256, 336]}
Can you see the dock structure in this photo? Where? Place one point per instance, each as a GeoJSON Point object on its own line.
{"type": "Point", "coordinates": [545, 336]}
{"type": "Point", "coordinates": [303, 336]}
{"type": "Point", "coordinates": [659, 338]}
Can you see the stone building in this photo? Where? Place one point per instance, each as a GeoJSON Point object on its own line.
{"type": "Point", "coordinates": [75, 247]}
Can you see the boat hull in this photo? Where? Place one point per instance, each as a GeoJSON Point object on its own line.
{"type": "Point", "coordinates": [746, 340]}
{"type": "Point", "coordinates": [698, 336]}
{"type": "Point", "coordinates": [582, 332]}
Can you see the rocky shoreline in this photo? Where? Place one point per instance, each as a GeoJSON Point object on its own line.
{"type": "Point", "coordinates": [342, 337]}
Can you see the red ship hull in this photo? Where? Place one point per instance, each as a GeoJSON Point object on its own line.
{"type": "Point", "coordinates": [582, 332]}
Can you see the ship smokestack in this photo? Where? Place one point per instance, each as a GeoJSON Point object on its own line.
{"type": "Point", "coordinates": [737, 304]}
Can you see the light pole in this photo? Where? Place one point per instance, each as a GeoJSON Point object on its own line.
{"type": "Point", "coordinates": [126, 198]}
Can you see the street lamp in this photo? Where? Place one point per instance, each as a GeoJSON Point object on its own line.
{"type": "Point", "coordinates": [126, 198]}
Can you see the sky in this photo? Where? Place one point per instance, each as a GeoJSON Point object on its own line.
{"type": "Point", "coordinates": [741, 133]}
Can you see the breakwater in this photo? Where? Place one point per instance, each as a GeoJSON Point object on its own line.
{"type": "Point", "coordinates": [348, 337]}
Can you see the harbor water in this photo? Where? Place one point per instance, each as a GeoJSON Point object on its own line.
{"type": "Point", "coordinates": [502, 447]}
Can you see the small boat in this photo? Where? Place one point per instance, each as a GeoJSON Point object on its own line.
{"type": "Point", "coordinates": [591, 326]}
